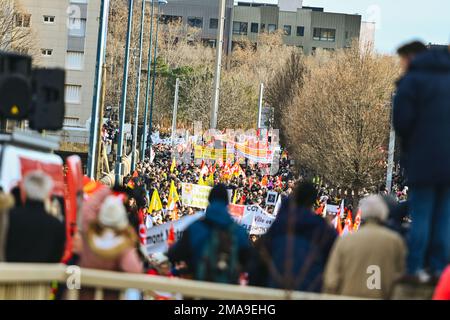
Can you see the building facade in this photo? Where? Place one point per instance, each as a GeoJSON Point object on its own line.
{"type": "Point", "coordinates": [305, 27]}
{"type": "Point", "coordinates": [66, 34]}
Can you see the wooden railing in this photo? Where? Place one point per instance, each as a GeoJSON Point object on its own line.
{"type": "Point", "coordinates": [32, 282]}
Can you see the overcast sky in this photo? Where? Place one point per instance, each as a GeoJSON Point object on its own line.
{"type": "Point", "coordinates": [398, 21]}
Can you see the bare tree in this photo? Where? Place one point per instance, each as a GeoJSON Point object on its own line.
{"type": "Point", "coordinates": [15, 28]}
{"type": "Point", "coordinates": [339, 125]}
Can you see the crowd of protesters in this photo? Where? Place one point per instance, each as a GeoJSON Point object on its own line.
{"type": "Point", "coordinates": [395, 241]}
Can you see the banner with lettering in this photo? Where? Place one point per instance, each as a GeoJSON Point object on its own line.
{"type": "Point", "coordinates": [194, 195]}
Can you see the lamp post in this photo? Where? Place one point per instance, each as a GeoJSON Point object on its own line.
{"type": "Point", "coordinates": [138, 91]}
{"type": "Point", "coordinates": [101, 56]}
{"type": "Point", "coordinates": [147, 90]}
{"type": "Point", "coordinates": [123, 103]}
{"type": "Point", "coordinates": [155, 56]}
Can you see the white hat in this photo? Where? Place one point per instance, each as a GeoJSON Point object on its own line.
{"type": "Point", "coordinates": [374, 207]}
{"type": "Point", "coordinates": [37, 185]}
{"type": "Point", "coordinates": [113, 214]}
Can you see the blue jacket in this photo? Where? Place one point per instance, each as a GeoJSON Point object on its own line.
{"type": "Point", "coordinates": [191, 245]}
{"type": "Point", "coordinates": [308, 249]}
{"type": "Point", "coordinates": [422, 119]}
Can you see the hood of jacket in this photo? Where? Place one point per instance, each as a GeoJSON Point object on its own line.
{"type": "Point", "coordinates": [217, 213]}
{"type": "Point", "coordinates": [434, 60]}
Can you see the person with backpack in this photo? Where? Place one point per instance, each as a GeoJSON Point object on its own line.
{"type": "Point", "coordinates": [215, 249]}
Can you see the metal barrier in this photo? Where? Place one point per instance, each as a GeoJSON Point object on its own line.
{"type": "Point", "coordinates": [32, 282]}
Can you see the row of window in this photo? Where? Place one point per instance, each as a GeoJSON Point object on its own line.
{"type": "Point", "coordinates": [242, 28]}
{"type": "Point", "coordinates": [74, 59]}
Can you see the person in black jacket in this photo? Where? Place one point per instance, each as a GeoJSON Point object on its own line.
{"type": "Point", "coordinates": [294, 252]}
{"type": "Point", "coordinates": [33, 234]}
{"type": "Point", "coordinates": [421, 120]}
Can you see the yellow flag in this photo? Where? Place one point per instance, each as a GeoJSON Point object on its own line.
{"type": "Point", "coordinates": [201, 182]}
{"type": "Point", "coordinates": [235, 197]}
{"type": "Point", "coordinates": [155, 202]}
{"type": "Point", "coordinates": [173, 196]}
{"type": "Point", "coordinates": [174, 164]}
{"type": "Point", "coordinates": [210, 180]}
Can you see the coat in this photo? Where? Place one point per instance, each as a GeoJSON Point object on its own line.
{"type": "Point", "coordinates": [358, 258]}
{"type": "Point", "coordinates": [34, 235]}
{"type": "Point", "coordinates": [442, 291]}
{"type": "Point", "coordinates": [6, 203]}
{"type": "Point", "coordinates": [312, 239]}
{"type": "Point", "coordinates": [191, 246]}
{"type": "Point", "coordinates": [421, 119]}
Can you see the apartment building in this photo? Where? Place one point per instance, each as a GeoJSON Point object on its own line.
{"type": "Point", "coordinates": [308, 28]}
{"type": "Point", "coordinates": [66, 34]}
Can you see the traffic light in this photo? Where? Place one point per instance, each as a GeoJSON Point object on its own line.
{"type": "Point", "coordinates": [15, 86]}
{"type": "Point", "coordinates": [47, 111]}
{"type": "Point", "coordinates": [36, 95]}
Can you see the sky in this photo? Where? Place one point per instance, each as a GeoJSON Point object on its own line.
{"type": "Point", "coordinates": [398, 21]}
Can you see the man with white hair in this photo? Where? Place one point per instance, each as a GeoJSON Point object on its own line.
{"type": "Point", "coordinates": [33, 234]}
{"type": "Point", "coordinates": [368, 262]}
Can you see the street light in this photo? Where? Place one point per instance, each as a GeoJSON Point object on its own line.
{"type": "Point", "coordinates": [152, 99]}
{"type": "Point", "coordinates": [138, 90]}
{"type": "Point", "coordinates": [101, 55]}
{"type": "Point", "coordinates": [123, 103]}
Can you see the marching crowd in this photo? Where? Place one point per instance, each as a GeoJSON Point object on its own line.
{"type": "Point", "coordinates": [391, 242]}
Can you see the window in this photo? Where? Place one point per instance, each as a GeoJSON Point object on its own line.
{"type": "Point", "coordinates": [240, 28]}
{"type": "Point", "coordinates": [195, 22]}
{"type": "Point", "coordinates": [263, 27]}
{"type": "Point", "coordinates": [71, 121]}
{"type": "Point", "coordinates": [166, 19]}
{"type": "Point", "coordinates": [300, 31]}
{"type": "Point", "coordinates": [287, 30]}
{"type": "Point", "coordinates": [272, 28]}
{"type": "Point", "coordinates": [49, 19]}
{"type": "Point", "coordinates": [46, 52]}
{"type": "Point", "coordinates": [74, 60]}
{"type": "Point", "coordinates": [254, 28]}
{"type": "Point", "coordinates": [323, 34]}
{"type": "Point", "coordinates": [77, 27]}
{"type": "Point", "coordinates": [213, 23]}
{"type": "Point", "coordinates": [73, 93]}
{"type": "Point", "coordinates": [22, 20]}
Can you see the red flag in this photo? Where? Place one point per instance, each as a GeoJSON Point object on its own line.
{"type": "Point", "coordinates": [357, 221]}
{"type": "Point", "coordinates": [135, 174]}
{"type": "Point", "coordinates": [171, 236]}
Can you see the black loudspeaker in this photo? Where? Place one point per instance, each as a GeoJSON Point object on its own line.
{"type": "Point", "coordinates": [48, 108]}
{"type": "Point", "coordinates": [15, 86]}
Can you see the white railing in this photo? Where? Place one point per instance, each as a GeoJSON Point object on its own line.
{"type": "Point", "coordinates": [32, 281]}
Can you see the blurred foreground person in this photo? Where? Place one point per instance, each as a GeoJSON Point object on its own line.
{"type": "Point", "coordinates": [214, 249]}
{"type": "Point", "coordinates": [6, 203]}
{"type": "Point", "coordinates": [368, 262]}
{"type": "Point", "coordinates": [442, 291]}
{"type": "Point", "coordinates": [421, 120]}
{"type": "Point", "coordinates": [109, 242]}
{"type": "Point", "coordinates": [408, 52]}
{"type": "Point", "coordinates": [293, 254]}
{"type": "Point", "coordinates": [34, 235]}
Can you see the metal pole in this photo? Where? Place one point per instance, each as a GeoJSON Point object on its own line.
{"type": "Point", "coordinates": [260, 104]}
{"type": "Point", "coordinates": [101, 55]}
{"type": "Point", "coordinates": [101, 113]}
{"type": "Point", "coordinates": [175, 110]}
{"type": "Point", "coordinates": [123, 104]}
{"type": "Point", "coordinates": [155, 56]}
{"type": "Point", "coordinates": [147, 90]}
{"type": "Point", "coordinates": [219, 49]}
{"type": "Point", "coordinates": [138, 92]}
{"type": "Point", "coordinates": [390, 167]}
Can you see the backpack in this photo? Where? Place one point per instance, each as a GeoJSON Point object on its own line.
{"type": "Point", "coordinates": [219, 261]}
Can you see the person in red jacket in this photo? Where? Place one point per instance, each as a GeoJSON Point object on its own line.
{"type": "Point", "coordinates": [442, 291]}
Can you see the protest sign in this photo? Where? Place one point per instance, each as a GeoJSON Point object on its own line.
{"type": "Point", "coordinates": [194, 195]}
{"type": "Point", "coordinates": [271, 199]}
{"type": "Point", "coordinates": [157, 236]}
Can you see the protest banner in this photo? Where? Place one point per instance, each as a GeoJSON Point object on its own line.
{"type": "Point", "coordinates": [157, 236]}
{"type": "Point", "coordinates": [194, 195]}
{"type": "Point", "coordinates": [271, 199]}
{"type": "Point", "coordinates": [252, 218]}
